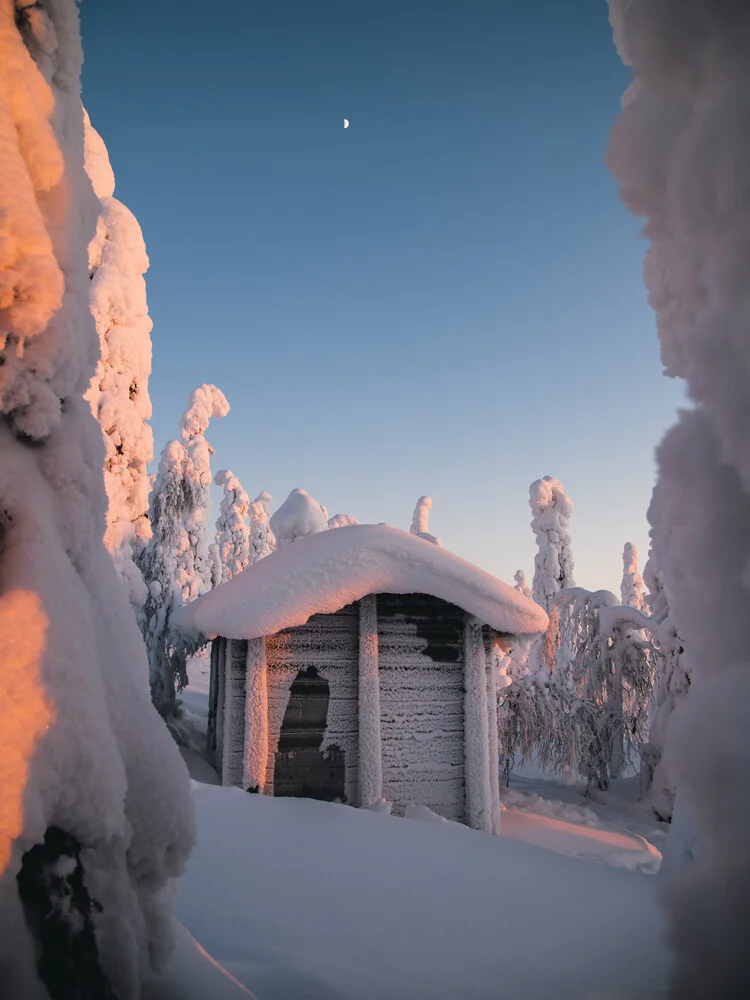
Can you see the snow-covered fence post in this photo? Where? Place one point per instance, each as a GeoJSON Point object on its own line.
{"type": "Point", "coordinates": [494, 744]}
{"type": "Point", "coordinates": [476, 735]}
{"type": "Point", "coordinates": [256, 717]}
{"type": "Point", "coordinates": [370, 756]}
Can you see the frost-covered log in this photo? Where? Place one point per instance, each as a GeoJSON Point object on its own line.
{"type": "Point", "coordinates": [300, 515]}
{"type": "Point", "coordinates": [118, 392]}
{"type": "Point", "coordinates": [232, 527]}
{"type": "Point", "coordinates": [681, 153]}
{"type": "Point", "coordinates": [96, 820]}
{"type": "Point", "coordinates": [476, 733]}
{"type": "Point", "coordinates": [256, 717]}
{"type": "Point", "coordinates": [420, 522]}
{"type": "Point", "coordinates": [178, 563]}
{"type": "Point", "coordinates": [370, 751]}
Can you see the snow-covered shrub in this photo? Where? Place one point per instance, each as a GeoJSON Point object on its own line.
{"type": "Point", "coordinates": [420, 522]}
{"type": "Point", "coordinates": [232, 527]}
{"type": "Point", "coordinates": [632, 586]}
{"type": "Point", "coordinates": [178, 562]}
{"type": "Point", "coordinates": [681, 154]}
{"type": "Point", "coordinates": [118, 392]}
{"type": "Point", "coordinates": [300, 515]}
{"type": "Point", "coordinates": [96, 820]}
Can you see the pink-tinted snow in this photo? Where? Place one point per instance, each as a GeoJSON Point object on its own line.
{"type": "Point", "coordinates": [325, 571]}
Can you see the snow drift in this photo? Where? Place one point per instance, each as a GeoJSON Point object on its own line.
{"type": "Point", "coordinates": [330, 569]}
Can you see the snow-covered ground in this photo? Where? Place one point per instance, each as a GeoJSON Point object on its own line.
{"type": "Point", "coordinates": [317, 901]}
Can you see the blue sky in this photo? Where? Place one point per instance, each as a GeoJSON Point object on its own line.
{"type": "Point", "coordinates": [444, 298]}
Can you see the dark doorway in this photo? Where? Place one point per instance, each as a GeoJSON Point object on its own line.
{"type": "Point", "coordinates": [301, 769]}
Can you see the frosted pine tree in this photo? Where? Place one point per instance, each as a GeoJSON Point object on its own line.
{"type": "Point", "coordinates": [178, 563]}
{"type": "Point", "coordinates": [420, 522]}
{"type": "Point", "coordinates": [632, 587]}
{"type": "Point", "coordinates": [521, 586]}
{"type": "Point", "coordinates": [262, 540]}
{"type": "Point", "coordinates": [551, 511]}
{"type": "Point", "coordinates": [232, 527]}
{"type": "Point", "coordinates": [96, 822]}
{"type": "Point", "coordinates": [118, 392]}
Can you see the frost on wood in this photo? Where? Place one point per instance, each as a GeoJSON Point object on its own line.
{"type": "Point", "coordinates": [551, 511]}
{"type": "Point", "coordinates": [632, 587]}
{"type": "Point", "coordinates": [370, 750]}
{"type": "Point", "coordinates": [118, 392]}
{"type": "Point", "coordinates": [297, 517]}
{"type": "Point", "coordinates": [93, 787]}
{"type": "Point", "coordinates": [681, 153]}
{"type": "Point", "coordinates": [178, 563]}
{"type": "Point", "coordinates": [232, 527]}
{"type": "Point", "coordinates": [420, 522]}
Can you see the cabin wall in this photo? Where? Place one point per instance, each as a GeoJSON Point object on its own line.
{"type": "Point", "coordinates": [420, 640]}
{"type": "Point", "coordinates": [330, 644]}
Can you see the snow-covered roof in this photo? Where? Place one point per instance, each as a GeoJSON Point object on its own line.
{"type": "Point", "coordinates": [326, 571]}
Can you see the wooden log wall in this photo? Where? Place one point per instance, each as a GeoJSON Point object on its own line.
{"type": "Point", "coordinates": [330, 644]}
{"type": "Point", "coordinates": [420, 642]}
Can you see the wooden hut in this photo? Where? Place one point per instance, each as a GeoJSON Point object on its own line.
{"type": "Point", "coordinates": [355, 665]}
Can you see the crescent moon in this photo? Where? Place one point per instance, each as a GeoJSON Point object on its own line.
{"type": "Point", "coordinates": [346, 123]}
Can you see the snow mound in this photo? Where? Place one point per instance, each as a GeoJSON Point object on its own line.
{"type": "Point", "coordinates": [330, 569]}
{"type": "Point", "coordinates": [299, 515]}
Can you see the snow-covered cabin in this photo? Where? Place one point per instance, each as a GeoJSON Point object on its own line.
{"type": "Point", "coordinates": [356, 665]}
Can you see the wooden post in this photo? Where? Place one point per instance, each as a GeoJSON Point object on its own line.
{"type": "Point", "coordinates": [233, 749]}
{"type": "Point", "coordinates": [370, 754]}
{"type": "Point", "coordinates": [493, 745]}
{"type": "Point", "coordinates": [256, 717]}
{"type": "Point", "coordinates": [476, 735]}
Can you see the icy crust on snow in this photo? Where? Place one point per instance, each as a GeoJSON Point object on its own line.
{"type": "Point", "coordinates": [330, 569]}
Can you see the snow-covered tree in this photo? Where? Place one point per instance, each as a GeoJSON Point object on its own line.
{"type": "Point", "coordinates": [420, 522]}
{"type": "Point", "coordinates": [96, 821]}
{"type": "Point", "coordinates": [341, 520]}
{"type": "Point", "coordinates": [521, 586]}
{"type": "Point", "coordinates": [262, 539]}
{"type": "Point", "coordinates": [300, 515]}
{"type": "Point", "coordinates": [232, 526]}
{"type": "Point", "coordinates": [118, 392]}
{"type": "Point", "coordinates": [671, 684]}
{"type": "Point", "coordinates": [681, 154]}
{"type": "Point", "coordinates": [551, 511]}
{"type": "Point", "coordinates": [632, 586]}
{"type": "Point", "coordinates": [590, 715]}
{"type": "Point", "coordinates": [178, 562]}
